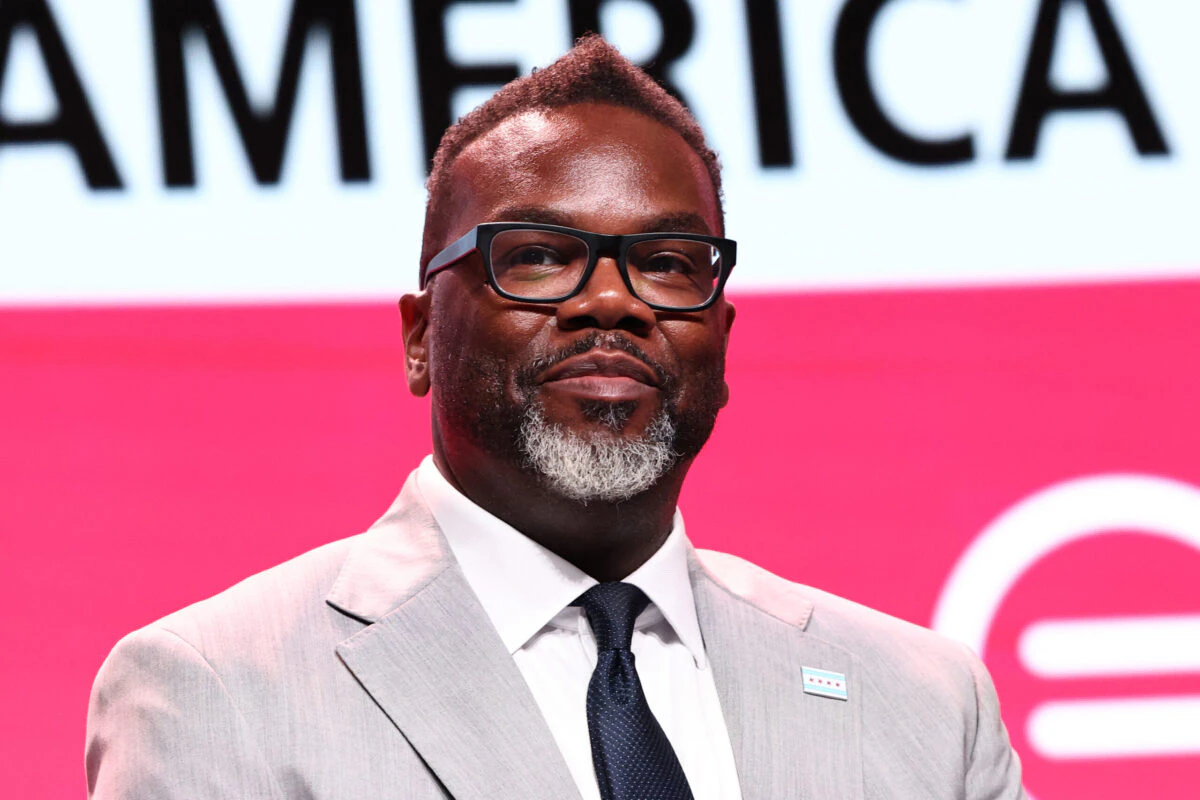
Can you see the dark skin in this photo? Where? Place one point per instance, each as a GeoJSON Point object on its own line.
{"type": "Point", "coordinates": [599, 168]}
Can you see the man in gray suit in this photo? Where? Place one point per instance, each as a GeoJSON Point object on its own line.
{"type": "Point", "coordinates": [480, 640]}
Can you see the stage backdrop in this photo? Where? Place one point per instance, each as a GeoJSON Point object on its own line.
{"type": "Point", "coordinates": [964, 371]}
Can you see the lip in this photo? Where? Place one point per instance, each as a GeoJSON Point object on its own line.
{"type": "Point", "coordinates": [605, 375]}
{"type": "Point", "coordinates": [602, 364]}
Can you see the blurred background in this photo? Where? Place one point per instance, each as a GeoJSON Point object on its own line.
{"type": "Point", "coordinates": [964, 370]}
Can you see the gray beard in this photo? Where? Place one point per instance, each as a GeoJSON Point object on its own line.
{"type": "Point", "coordinates": [597, 468]}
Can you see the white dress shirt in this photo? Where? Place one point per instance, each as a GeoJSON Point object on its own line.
{"type": "Point", "coordinates": [526, 591]}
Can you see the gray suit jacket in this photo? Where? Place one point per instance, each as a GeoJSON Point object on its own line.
{"type": "Point", "coordinates": [367, 668]}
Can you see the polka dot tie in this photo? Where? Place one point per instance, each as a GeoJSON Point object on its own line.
{"type": "Point", "coordinates": [633, 759]}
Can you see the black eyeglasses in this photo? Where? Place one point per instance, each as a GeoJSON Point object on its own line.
{"type": "Point", "coordinates": [535, 263]}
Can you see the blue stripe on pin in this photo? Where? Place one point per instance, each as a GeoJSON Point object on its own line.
{"type": "Point", "coordinates": [824, 683]}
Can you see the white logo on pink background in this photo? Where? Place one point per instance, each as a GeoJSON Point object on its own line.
{"type": "Point", "coordinates": [1126, 648]}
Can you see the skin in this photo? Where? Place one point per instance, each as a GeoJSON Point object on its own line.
{"type": "Point", "coordinates": [600, 168]}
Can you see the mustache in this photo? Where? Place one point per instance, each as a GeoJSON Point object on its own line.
{"type": "Point", "coordinates": [592, 341]}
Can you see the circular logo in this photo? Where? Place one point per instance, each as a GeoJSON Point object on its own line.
{"type": "Point", "coordinates": [1084, 600]}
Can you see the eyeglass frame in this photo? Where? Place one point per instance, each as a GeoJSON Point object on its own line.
{"type": "Point", "coordinates": [616, 246]}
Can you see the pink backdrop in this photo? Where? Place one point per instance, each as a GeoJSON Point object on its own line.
{"type": "Point", "coordinates": [153, 456]}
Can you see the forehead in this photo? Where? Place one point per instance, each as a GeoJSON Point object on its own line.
{"type": "Point", "coordinates": [603, 168]}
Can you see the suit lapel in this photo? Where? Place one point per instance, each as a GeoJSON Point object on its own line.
{"type": "Point", "coordinates": [431, 660]}
{"type": "Point", "coordinates": [786, 743]}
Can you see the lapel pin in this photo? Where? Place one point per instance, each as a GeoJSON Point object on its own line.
{"type": "Point", "coordinates": [824, 683]}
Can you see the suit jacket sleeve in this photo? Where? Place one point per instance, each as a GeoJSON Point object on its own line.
{"type": "Point", "coordinates": [162, 725]}
{"type": "Point", "coordinates": [993, 770]}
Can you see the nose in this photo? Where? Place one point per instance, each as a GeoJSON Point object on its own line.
{"type": "Point", "coordinates": [605, 302]}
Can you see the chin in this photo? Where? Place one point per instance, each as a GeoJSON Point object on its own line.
{"type": "Point", "coordinates": [599, 464]}
{"type": "Point", "coordinates": [614, 416]}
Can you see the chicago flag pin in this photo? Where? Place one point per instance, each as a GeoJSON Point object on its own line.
{"type": "Point", "coordinates": [824, 683]}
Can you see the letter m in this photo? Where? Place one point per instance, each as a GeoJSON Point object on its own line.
{"type": "Point", "coordinates": [263, 131]}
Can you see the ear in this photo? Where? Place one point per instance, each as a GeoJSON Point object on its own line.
{"type": "Point", "coordinates": [729, 313]}
{"type": "Point", "coordinates": [414, 314]}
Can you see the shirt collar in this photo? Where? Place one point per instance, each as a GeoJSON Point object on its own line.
{"type": "Point", "coordinates": [522, 585]}
{"type": "Point", "coordinates": [664, 578]}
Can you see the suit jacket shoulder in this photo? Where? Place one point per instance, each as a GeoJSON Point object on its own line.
{"type": "Point", "coordinates": [240, 695]}
{"type": "Point", "coordinates": [286, 599]}
{"type": "Point", "coordinates": [922, 713]}
{"type": "Point", "coordinates": [363, 668]}
{"type": "Point", "coordinates": [867, 633]}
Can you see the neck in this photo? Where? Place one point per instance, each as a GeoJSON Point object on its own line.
{"type": "Point", "coordinates": [606, 540]}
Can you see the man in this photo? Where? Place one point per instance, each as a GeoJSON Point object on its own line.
{"type": "Point", "coordinates": [528, 620]}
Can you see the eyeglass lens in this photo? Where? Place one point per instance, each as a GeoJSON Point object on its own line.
{"type": "Point", "coordinates": [540, 265]}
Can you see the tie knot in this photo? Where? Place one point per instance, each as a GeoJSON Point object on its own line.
{"type": "Point", "coordinates": [611, 610]}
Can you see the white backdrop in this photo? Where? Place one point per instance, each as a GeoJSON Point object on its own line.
{"type": "Point", "coordinates": [1087, 205]}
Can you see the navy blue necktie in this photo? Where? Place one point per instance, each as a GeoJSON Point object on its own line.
{"type": "Point", "coordinates": [633, 759]}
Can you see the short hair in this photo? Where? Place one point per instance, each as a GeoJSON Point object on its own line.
{"type": "Point", "coordinates": [593, 71]}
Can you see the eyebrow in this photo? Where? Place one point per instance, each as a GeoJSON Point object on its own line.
{"type": "Point", "coordinates": [681, 222]}
{"type": "Point", "coordinates": [677, 222]}
{"type": "Point", "coordinates": [534, 214]}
